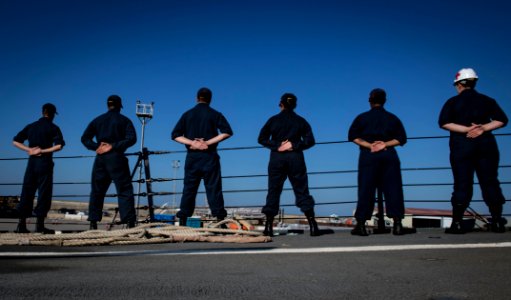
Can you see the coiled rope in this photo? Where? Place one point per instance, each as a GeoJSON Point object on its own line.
{"type": "Point", "coordinates": [153, 233]}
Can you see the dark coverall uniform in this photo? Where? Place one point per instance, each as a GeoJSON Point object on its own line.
{"type": "Point", "coordinates": [379, 169]}
{"type": "Point", "coordinates": [39, 173]}
{"type": "Point", "coordinates": [287, 125]}
{"type": "Point", "coordinates": [469, 155]}
{"type": "Point", "coordinates": [202, 122]}
{"type": "Point", "coordinates": [114, 128]}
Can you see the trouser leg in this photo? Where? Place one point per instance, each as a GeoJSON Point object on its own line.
{"type": "Point", "coordinates": [300, 183]}
{"type": "Point", "coordinates": [99, 186]}
{"type": "Point", "coordinates": [463, 172]}
{"type": "Point", "coordinates": [118, 168]}
{"type": "Point", "coordinates": [277, 174]}
{"type": "Point", "coordinates": [45, 189]}
{"type": "Point", "coordinates": [486, 167]}
{"type": "Point", "coordinates": [487, 174]}
{"type": "Point", "coordinates": [45, 193]}
{"type": "Point", "coordinates": [367, 181]}
{"type": "Point", "coordinates": [213, 186]}
{"type": "Point", "coordinates": [392, 185]}
{"type": "Point", "coordinates": [28, 191]}
{"type": "Point", "coordinates": [190, 186]}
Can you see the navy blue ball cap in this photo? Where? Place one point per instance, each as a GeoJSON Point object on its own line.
{"type": "Point", "coordinates": [204, 94]}
{"type": "Point", "coordinates": [114, 101]}
{"type": "Point", "coordinates": [50, 109]}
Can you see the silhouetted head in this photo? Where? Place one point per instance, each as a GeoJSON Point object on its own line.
{"type": "Point", "coordinates": [288, 101]}
{"type": "Point", "coordinates": [378, 96]}
{"type": "Point", "coordinates": [49, 110]}
{"type": "Point", "coordinates": [114, 102]}
{"type": "Point", "coordinates": [204, 95]}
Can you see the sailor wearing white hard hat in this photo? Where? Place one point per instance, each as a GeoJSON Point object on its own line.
{"type": "Point", "coordinates": [471, 117]}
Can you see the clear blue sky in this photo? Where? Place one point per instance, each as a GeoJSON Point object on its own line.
{"type": "Point", "coordinates": [329, 53]}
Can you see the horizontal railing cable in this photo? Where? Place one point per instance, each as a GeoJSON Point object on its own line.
{"type": "Point", "coordinates": [256, 175]}
{"type": "Point", "coordinates": [259, 190]}
{"type": "Point", "coordinates": [144, 194]}
{"type": "Point", "coordinates": [240, 148]}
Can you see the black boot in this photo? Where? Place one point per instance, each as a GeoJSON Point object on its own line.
{"type": "Point", "coordinates": [313, 225]}
{"type": "Point", "coordinates": [457, 221]}
{"type": "Point", "coordinates": [220, 219]}
{"type": "Point", "coordinates": [268, 226]}
{"type": "Point", "coordinates": [131, 224]}
{"type": "Point", "coordinates": [360, 228]}
{"type": "Point", "coordinates": [93, 225]}
{"type": "Point", "coordinates": [398, 227]}
{"type": "Point", "coordinates": [182, 221]}
{"type": "Point", "coordinates": [498, 224]}
{"type": "Point", "coordinates": [40, 227]}
{"type": "Point", "coordinates": [22, 226]}
{"type": "Point", "coordinates": [456, 228]}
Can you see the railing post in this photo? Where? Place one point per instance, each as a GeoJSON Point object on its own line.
{"type": "Point", "coordinates": [149, 188]}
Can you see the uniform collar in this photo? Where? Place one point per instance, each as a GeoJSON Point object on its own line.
{"type": "Point", "coordinates": [45, 119]}
{"type": "Point", "coordinates": [468, 91]}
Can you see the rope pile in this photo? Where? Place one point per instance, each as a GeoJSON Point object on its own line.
{"type": "Point", "coordinates": [153, 233]}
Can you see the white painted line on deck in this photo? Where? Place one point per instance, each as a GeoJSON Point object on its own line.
{"type": "Point", "coordinates": [354, 249]}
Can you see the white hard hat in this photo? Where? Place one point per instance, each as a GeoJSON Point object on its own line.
{"type": "Point", "coordinates": [466, 73]}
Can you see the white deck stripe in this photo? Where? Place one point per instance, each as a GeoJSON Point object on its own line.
{"type": "Point", "coordinates": [357, 249]}
{"type": "Point", "coordinates": [360, 249]}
